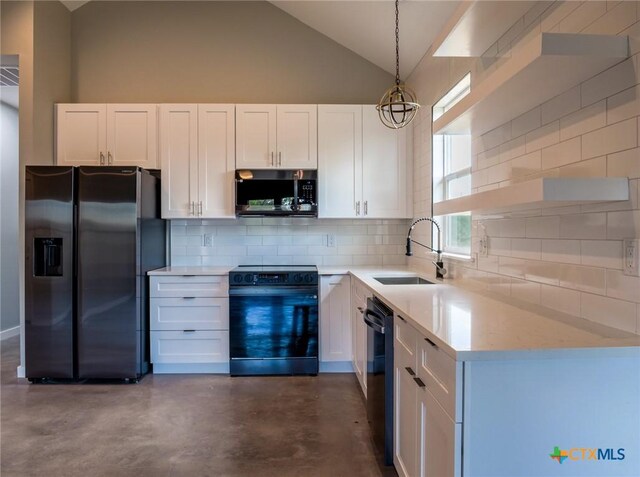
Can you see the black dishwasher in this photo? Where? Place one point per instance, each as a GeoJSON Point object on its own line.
{"type": "Point", "coordinates": [379, 320]}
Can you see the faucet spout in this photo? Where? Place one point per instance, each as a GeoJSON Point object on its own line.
{"type": "Point", "coordinates": [440, 270]}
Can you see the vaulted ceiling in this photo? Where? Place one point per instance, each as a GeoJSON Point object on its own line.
{"type": "Point", "coordinates": [367, 27]}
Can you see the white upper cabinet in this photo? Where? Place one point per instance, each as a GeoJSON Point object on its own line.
{"type": "Point", "coordinates": [216, 160]}
{"type": "Point", "coordinates": [107, 134]}
{"type": "Point", "coordinates": [339, 160]}
{"type": "Point", "coordinates": [384, 168]}
{"type": "Point", "coordinates": [197, 153]}
{"type": "Point", "coordinates": [179, 160]}
{"type": "Point", "coordinates": [276, 136]}
{"type": "Point", "coordinates": [132, 135]}
{"type": "Point", "coordinates": [363, 167]}
{"type": "Point", "coordinates": [81, 134]}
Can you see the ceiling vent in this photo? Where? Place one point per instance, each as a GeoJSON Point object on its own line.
{"type": "Point", "coordinates": [9, 76]}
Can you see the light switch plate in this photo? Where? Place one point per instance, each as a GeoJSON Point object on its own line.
{"type": "Point", "coordinates": [208, 240]}
{"type": "Point", "coordinates": [331, 240]}
{"type": "Point", "coordinates": [630, 261]}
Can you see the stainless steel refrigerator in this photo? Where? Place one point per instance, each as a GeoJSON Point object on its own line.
{"type": "Point", "coordinates": [91, 234]}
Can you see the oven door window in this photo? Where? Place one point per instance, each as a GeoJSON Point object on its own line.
{"type": "Point", "coordinates": [283, 326]}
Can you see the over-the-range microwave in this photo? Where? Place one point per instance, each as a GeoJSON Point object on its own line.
{"type": "Point", "coordinates": [282, 192]}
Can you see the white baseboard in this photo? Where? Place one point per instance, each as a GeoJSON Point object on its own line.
{"type": "Point", "coordinates": [10, 333]}
{"type": "Point", "coordinates": [336, 367]}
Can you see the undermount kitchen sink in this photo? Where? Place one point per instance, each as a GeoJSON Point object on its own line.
{"type": "Point", "coordinates": [402, 280]}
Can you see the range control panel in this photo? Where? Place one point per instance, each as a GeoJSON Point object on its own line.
{"type": "Point", "coordinates": [244, 276]}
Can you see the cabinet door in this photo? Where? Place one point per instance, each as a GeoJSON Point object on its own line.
{"type": "Point", "coordinates": [255, 136]}
{"type": "Point", "coordinates": [216, 160]}
{"type": "Point", "coordinates": [384, 168]}
{"type": "Point", "coordinates": [178, 160]}
{"type": "Point", "coordinates": [405, 418]}
{"type": "Point", "coordinates": [81, 134]}
{"type": "Point", "coordinates": [339, 160]}
{"type": "Point", "coordinates": [189, 347]}
{"type": "Point", "coordinates": [357, 312]}
{"type": "Point", "coordinates": [132, 135]}
{"type": "Point", "coordinates": [335, 321]}
{"type": "Point", "coordinates": [297, 136]}
{"type": "Point", "coordinates": [440, 439]}
{"type": "Point", "coordinates": [361, 352]}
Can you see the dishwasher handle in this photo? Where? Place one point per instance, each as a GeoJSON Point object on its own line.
{"type": "Point", "coordinates": [372, 324]}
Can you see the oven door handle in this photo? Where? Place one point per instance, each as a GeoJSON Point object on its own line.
{"type": "Point", "coordinates": [372, 324]}
{"type": "Point", "coordinates": [274, 291]}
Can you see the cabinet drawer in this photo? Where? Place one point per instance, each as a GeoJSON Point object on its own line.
{"type": "Point", "coordinates": [405, 337]}
{"type": "Point", "coordinates": [439, 372]}
{"type": "Point", "coordinates": [178, 347]}
{"type": "Point", "coordinates": [189, 314]}
{"type": "Point", "coordinates": [189, 286]}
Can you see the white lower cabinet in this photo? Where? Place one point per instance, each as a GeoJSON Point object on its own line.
{"type": "Point", "coordinates": [359, 295]}
{"type": "Point", "coordinates": [189, 324]}
{"type": "Point", "coordinates": [427, 440]}
{"type": "Point", "coordinates": [335, 323]}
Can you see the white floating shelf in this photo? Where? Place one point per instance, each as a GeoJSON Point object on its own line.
{"type": "Point", "coordinates": [475, 26]}
{"type": "Point", "coordinates": [548, 65]}
{"type": "Point", "coordinates": [539, 193]}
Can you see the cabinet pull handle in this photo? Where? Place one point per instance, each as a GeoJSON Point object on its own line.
{"type": "Point", "coordinates": [272, 159]}
{"type": "Point", "coordinates": [109, 158]}
{"type": "Point", "coordinates": [188, 297]}
{"type": "Point", "coordinates": [410, 371]}
{"type": "Point", "coordinates": [358, 208]}
{"type": "Point", "coordinates": [101, 159]}
{"type": "Point", "coordinates": [402, 319]}
{"type": "Point", "coordinates": [431, 343]}
{"type": "Point", "coordinates": [419, 383]}
{"type": "Point", "coordinates": [366, 207]}
{"type": "Point", "coordinates": [360, 309]}
{"type": "Point", "coordinates": [279, 158]}
{"type": "Point", "coordinates": [193, 210]}
{"type": "Point", "coordinates": [188, 331]}
{"type": "Point", "coordinates": [200, 207]}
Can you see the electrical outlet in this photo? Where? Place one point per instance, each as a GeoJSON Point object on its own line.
{"type": "Point", "coordinates": [208, 240]}
{"type": "Point", "coordinates": [331, 240]}
{"type": "Point", "coordinates": [484, 246]}
{"type": "Point", "coordinates": [630, 261]}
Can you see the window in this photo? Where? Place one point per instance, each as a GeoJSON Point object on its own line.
{"type": "Point", "coordinates": [452, 174]}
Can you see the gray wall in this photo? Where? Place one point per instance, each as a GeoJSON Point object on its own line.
{"type": "Point", "coordinates": [244, 52]}
{"type": "Point", "coordinates": [9, 250]}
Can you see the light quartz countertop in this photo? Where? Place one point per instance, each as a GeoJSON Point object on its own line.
{"type": "Point", "coordinates": [468, 325]}
{"type": "Point", "coordinates": [191, 271]}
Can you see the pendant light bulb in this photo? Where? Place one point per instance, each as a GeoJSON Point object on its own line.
{"type": "Point", "coordinates": [398, 105]}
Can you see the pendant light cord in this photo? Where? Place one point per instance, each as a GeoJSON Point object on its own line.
{"type": "Point", "coordinates": [397, 44]}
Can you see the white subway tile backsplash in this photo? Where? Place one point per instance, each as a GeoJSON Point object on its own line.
{"type": "Point", "coordinates": [609, 82]}
{"type": "Point", "coordinates": [562, 105]}
{"type": "Point", "coordinates": [596, 167]}
{"type": "Point", "coordinates": [601, 253]}
{"type": "Point", "coordinates": [561, 299]}
{"type": "Point", "coordinates": [542, 227]}
{"type": "Point", "coordinates": [609, 311]}
{"type": "Point", "coordinates": [526, 165]}
{"type": "Point", "coordinates": [513, 228]}
{"type": "Point", "coordinates": [584, 226]}
{"type": "Point", "coordinates": [525, 123]}
{"type": "Point", "coordinates": [610, 139]}
{"type": "Point", "coordinates": [582, 17]}
{"type": "Point", "coordinates": [500, 246]}
{"type": "Point", "coordinates": [262, 250]}
{"type": "Point", "coordinates": [545, 136]}
{"type": "Point", "coordinates": [562, 153]}
{"type": "Point", "coordinates": [618, 18]}
{"type": "Point", "coordinates": [621, 225]}
{"type": "Point", "coordinates": [584, 120]}
{"type": "Point", "coordinates": [624, 164]}
{"type": "Point", "coordinates": [276, 239]}
{"type": "Point", "coordinates": [561, 251]}
{"type": "Point", "coordinates": [623, 105]}
{"type": "Point", "coordinates": [623, 287]}
{"type": "Point", "coordinates": [525, 248]}
{"type": "Point", "coordinates": [587, 279]}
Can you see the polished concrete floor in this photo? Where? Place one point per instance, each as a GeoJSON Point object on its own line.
{"type": "Point", "coordinates": [184, 425]}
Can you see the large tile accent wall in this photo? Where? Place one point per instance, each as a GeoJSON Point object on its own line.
{"type": "Point", "coordinates": [570, 258]}
{"type": "Point", "coordinates": [288, 241]}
